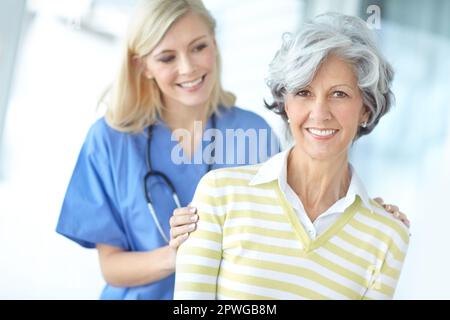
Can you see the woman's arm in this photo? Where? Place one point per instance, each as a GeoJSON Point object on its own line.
{"type": "Point", "coordinates": [128, 269]}
{"type": "Point", "coordinates": [198, 259]}
{"type": "Point", "coordinates": [384, 280]}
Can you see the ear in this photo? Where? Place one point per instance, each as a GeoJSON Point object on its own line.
{"type": "Point", "coordinates": [365, 115]}
{"type": "Point", "coordinates": [286, 105]}
{"type": "Point", "coordinates": [141, 67]}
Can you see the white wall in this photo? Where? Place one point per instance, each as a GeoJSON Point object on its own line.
{"type": "Point", "coordinates": [11, 21]}
{"type": "Point", "coordinates": [249, 33]}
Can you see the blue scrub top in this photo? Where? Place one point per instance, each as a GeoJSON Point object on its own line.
{"type": "Point", "coordinates": [105, 201]}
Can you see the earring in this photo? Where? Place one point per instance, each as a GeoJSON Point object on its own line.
{"type": "Point", "coordinates": [288, 120]}
{"type": "Point", "coordinates": [364, 124]}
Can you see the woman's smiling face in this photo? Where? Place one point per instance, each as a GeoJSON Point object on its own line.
{"type": "Point", "coordinates": [183, 64]}
{"type": "Point", "coordinates": [324, 117]}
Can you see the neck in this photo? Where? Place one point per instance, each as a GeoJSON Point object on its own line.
{"type": "Point", "coordinates": [190, 119]}
{"type": "Point", "coordinates": [319, 184]}
{"type": "Point", "coordinates": [184, 117]}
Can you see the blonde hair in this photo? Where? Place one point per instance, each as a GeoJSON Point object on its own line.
{"type": "Point", "coordinates": [135, 101]}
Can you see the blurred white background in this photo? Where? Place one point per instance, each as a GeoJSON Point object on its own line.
{"type": "Point", "coordinates": [68, 53]}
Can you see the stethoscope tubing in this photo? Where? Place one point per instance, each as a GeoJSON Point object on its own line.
{"type": "Point", "coordinates": [151, 172]}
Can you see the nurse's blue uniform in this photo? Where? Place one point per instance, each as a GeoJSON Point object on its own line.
{"type": "Point", "coordinates": [105, 201]}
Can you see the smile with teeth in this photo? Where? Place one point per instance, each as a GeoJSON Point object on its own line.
{"type": "Point", "coordinates": [322, 132]}
{"type": "Point", "coordinates": [192, 84]}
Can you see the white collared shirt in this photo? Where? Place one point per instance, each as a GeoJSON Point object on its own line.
{"type": "Point", "coordinates": [276, 169]}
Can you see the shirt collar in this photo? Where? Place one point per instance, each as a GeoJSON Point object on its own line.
{"type": "Point", "coordinates": [357, 188]}
{"type": "Point", "coordinates": [276, 169]}
{"type": "Point", "coordinates": [272, 169]}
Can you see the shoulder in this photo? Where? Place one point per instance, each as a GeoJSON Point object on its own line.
{"type": "Point", "coordinates": [225, 181]}
{"type": "Point", "coordinates": [222, 187]}
{"type": "Point", "coordinates": [99, 133]}
{"type": "Point", "coordinates": [102, 131]}
{"type": "Point", "coordinates": [231, 176]}
{"type": "Point", "coordinates": [391, 225]}
{"type": "Point", "coordinates": [102, 138]}
{"type": "Point", "coordinates": [242, 118]}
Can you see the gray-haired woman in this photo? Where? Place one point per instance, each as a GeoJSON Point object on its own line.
{"type": "Point", "coordinates": [301, 225]}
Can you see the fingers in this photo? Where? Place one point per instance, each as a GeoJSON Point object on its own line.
{"type": "Point", "coordinates": [391, 208]}
{"type": "Point", "coordinates": [176, 221]}
{"type": "Point", "coordinates": [184, 210]}
{"type": "Point", "coordinates": [183, 221]}
{"type": "Point", "coordinates": [176, 242]}
{"type": "Point", "coordinates": [182, 216]}
{"type": "Point", "coordinates": [178, 235]}
{"type": "Point", "coordinates": [395, 211]}
{"type": "Point", "coordinates": [379, 200]}
{"type": "Point", "coordinates": [403, 218]}
{"type": "Point", "coordinates": [178, 231]}
{"type": "Point", "coordinates": [388, 207]}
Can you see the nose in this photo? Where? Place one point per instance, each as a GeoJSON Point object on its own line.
{"type": "Point", "coordinates": [186, 65]}
{"type": "Point", "coordinates": [320, 110]}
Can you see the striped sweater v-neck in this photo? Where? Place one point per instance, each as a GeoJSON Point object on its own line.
{"type": "Point", "coordinates": [249, 244]}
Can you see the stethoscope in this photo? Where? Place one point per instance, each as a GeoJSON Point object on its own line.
{"type": "Point", "coordinates": [153, 173]}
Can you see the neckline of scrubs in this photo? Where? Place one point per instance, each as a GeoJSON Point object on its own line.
{"type": "Point", "coordinates": [198, 154]}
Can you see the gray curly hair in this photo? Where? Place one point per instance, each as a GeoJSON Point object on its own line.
{"type": "Point", "coordinates": [300, 56]}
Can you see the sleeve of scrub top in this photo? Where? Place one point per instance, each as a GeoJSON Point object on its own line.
{"type": "Point", "coordinates": [89, 214]}
{"type": "Point", "coordinates": [199, 257]}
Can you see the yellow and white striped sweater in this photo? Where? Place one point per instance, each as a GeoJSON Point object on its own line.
{"type": "Point", "coordinates": [249, 244]}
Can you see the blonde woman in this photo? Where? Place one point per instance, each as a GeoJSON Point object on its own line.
{"type": "Point", "coordinates": [132, 172]}
{"type": "Point", "coordinates": [301, 225]}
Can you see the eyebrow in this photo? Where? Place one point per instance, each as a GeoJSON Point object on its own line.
{"type": "Point", "coordinates": [342, 85]}
{"type": "Point", "coordinates": [190, 43]}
